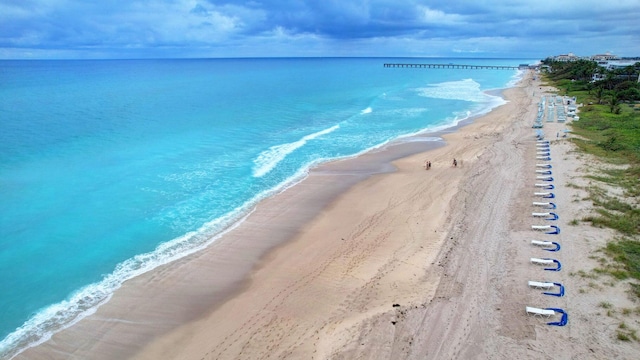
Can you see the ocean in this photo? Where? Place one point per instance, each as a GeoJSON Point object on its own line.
{"type": "Point", "coordinates": [110, 168]}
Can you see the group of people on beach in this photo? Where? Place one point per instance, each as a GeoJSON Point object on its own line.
{"type": "Point", "coordinates": [427, 164]}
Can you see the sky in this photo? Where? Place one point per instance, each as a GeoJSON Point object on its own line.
{"type": "Point", "coordinates": [108, 29]}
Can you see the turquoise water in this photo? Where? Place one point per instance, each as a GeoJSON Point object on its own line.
{"type": "Point", "coordinates": [111, 168]}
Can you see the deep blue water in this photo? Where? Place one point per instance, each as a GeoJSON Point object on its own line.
{"type": "Point", "coordinates": [111, 168]}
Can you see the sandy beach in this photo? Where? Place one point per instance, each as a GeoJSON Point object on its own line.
{"type": "Point", "coordinates": [378, 258]}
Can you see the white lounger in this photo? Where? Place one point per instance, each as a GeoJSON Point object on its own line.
{"type": "Point", "coordinates": [546, 205]}
{"type": "Point", "coordinates": [540, 227]}
{"type": "Point", "coordinates": [542, 243]}
{"type": "Point", "coordinates": [536, 214]}
{"type": "Point", "coordinates": [540, 312]}
{"type": "Point", "coordinates": [541, 285]}
{"type": "Point", "coordinates": [541, 193]}
{"type": "Point", "coordinates": [539, 261]}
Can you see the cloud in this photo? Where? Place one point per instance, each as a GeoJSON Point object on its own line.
{"type": "Point", "coordinates": [430, 16]}
{"type": "Point", "coordinates": [152, 28]}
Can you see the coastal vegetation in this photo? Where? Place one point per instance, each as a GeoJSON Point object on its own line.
{"type": "Point", "coordinates": [609, 128]}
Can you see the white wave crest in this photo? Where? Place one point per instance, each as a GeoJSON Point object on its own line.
{"type": "Point", "coordinates": [467, 90]}
{"type": "Point", "coordinates": [268, 159]}
{"type": "Point", "coordinates": [519, 74]}
{"type": "Point", "coordinates": [366, 111]}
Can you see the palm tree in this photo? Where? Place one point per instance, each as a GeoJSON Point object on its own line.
{"type": "Point", "coordinates": [614, 103]}
{"type": "Point", "coordinates": [600, 93]}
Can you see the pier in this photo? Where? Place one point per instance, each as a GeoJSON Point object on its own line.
{"type": "Point", "coordinates": [451, 66]}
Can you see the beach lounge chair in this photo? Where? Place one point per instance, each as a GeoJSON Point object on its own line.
{"type": "Point", "coordinates": [547, 195]}
{"type": "Point", "coordinates": [545, 166]}
{"type": "Point", "coordinates": [543, 172]}
{"type": "Point", "coordinates": [546, 186]}
{"type": "Point", "coordinates": [545, 178]}
{"type": "Point", "coordinates": [547, 313]}
{"type": "Point", "coordinates": [540, 312]}
{"type": "Point", "coordinates": [547, 261]}
{"type": "Point", "coordinates": [551, 215]}
{"type": "Point", "coordinates": [546, 245]}
{"type": "Point", "coordinates": [546, 158]}
{"type": "Point", "coordinates": [541, 285]}
{"type": "Point", "coordinates": [548, 205]}
{"type": "Point", "coordinates": [538, 261]}
{"type": "Point", "coordinates": [553, 230]}
{"type": "Point", "coordinates": [539, 214]}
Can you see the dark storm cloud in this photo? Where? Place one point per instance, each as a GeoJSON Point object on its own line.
{"type": "Point", "coordinates": [151, 28]}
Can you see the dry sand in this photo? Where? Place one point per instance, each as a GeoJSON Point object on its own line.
{"type": "Point", "coordinates": [404, 264]}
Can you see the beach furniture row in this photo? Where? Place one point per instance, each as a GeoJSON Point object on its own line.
{"type": "Point", "coordinates": [544, 181]}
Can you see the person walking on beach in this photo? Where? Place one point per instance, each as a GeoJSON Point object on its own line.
{"type": "Point", "coordinates": [455, 163]}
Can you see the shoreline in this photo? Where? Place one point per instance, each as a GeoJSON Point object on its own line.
{"type": "Point", "coordinates": [396, 148]}
{"type": "Point", "coordinates": [112, 326]}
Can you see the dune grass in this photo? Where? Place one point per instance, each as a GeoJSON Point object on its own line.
{"type": "Point", "coordinates": [614, 138]}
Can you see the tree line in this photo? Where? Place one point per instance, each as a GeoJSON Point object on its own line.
{"type": "Point", "coordinates": [608, 86]}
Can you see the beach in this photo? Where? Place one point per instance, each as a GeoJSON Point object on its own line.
{"type": "Point", "coordinates": [378, 258]}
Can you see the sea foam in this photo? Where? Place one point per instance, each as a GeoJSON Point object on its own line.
{"type": "Point", "coordinates": [467, 90]}
{"type": "Point", "coordinates": [366, 111]}
{"type": "Point", "coordinates": [269, 159]}
{"type": "Point", "coordinates": [85, 301]}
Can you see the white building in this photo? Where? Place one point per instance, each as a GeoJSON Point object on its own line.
{"type": "Point", "coordinates": [566, 57]}
{"type": "Point", "coordinates": [604, 57]}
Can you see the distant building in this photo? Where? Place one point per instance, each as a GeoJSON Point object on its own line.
{"type": "Point", "coordinates": [566, 57]}
{"type": "Point", "coordinates": [604, 57]}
